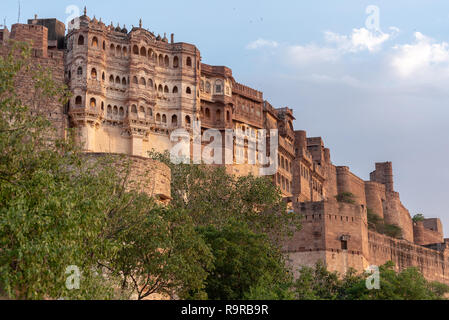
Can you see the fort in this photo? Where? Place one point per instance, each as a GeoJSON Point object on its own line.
{"type": "Point", "coordinates": [132, 88]}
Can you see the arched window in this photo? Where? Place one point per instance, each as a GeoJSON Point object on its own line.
{"type": "Point", "coordinates": [167, 61]}
{"type": "Point", "coordinates": [81, 40]}
{"type": "Point", "coordinates": [218, 115]}
{"type": "Point", "coordinates": [164, 118]}
{"type": "Point", "coordinates": [115, 110]}
{"type": "Point", "coordinates": [188, 120]}
{"type": "Point", "coordinates": [207, 113]}
{"type": "Point", "coordinates": [121, 112]}
{"type": "Point", "coordinates": [93, 74]}
{"type": "Point", "coordinates": [104, 45]}
{"type": "Point", "coordinates": [188, 90]}
{"type": "Point", "coordinates": [150, 53]}
{"type": "Point", "coordinates": [109, 109]}
{"type": "Point", "coordinates": [112, 49]}
{"type": "Point", "coordinates": [103, 77]}
{"type": "Point", "coordinates": [228, 116]}
{"type": "Point", "coordinates": [158, 117]}
{"type": "Point", "coordinates": [142, 110]}
{"type": "Point", "coordinates": [143, 52]}
{"type": "Point", "coordinates": [150, 83]}
{"type": "Point", "coordinates": [118, 51]}
{"type": "Point", "coordinates": [208, 85]}
{"type": "Point", "coordinates": [160, 88]}
{"type": "Point", "coordinates": [134, 108]}
{"type": "Point", "coordinates": [93, 102]}
{"type": "Point", "coordinates": [175, 89]}
{"type": "Point", "coordinates": [174, 120]}
{"type": "Point", "coordinates": [175, 62]}
{"type": "Point", "coordinates": [143, 82]}
{"type": "Point", "coordinates": [166, 90]}
{"type": "Point", "coordinates": [136, 50]}
{"type": "Point", "coordinates": [161, 60]}
{"type": "Point", "coordinates": [117, 80]}
{"type": "Point", "coordinates": [135, 81]}
{"type": "Point", "coordinates": [124, 81]}
{"type": "Point", "coordinates": [78, 101]}
{"type": "Point", "coordinates": [150, 112]}
{"type": "Point", "coordinates": [125, 52]}
{"type": "Point", "coordinates": [95, 42]}
{"type": "Point", "coordinates": [79, 71]}
{"type": "Point", "coordinates": [111, 79]}
{"type": "Point", "coordinates": [189, 62]}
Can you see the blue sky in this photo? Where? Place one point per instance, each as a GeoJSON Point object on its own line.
{"type": "Point", "coordinates": [373, 95]}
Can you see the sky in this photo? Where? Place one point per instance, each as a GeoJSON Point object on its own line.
{"type": "Point", "coordinates": [370, 77]}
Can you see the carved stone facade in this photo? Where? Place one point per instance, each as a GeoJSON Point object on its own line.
{"type": "Point", "coordinates": [132, 89]}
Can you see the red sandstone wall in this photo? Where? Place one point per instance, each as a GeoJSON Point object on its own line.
{"type": "Point", "coordinates": [425, 236]}
{"type": "Point", "coordinates": [395, 213]}
{"type": "Point", "coordinates": [375, 197]}
{"type": "Point", "coordinates": [348, 182]}
{"type": "Point", "coordinates": [432, 263]}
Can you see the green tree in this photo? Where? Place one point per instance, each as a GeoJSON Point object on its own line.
{"type": "Point", "coordinates": [161, 254]}
{"type": "Point", "coordinates": [418, 217]}
{"type": "Point", "coordinates": [345, 197]}
{"type": "Point", "coordinates": [213, 197]}
{"type": "Point", "coordinates": [244, 261]}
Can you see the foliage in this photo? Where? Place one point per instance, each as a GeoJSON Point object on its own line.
{"type": "Point", "coordinates": [345, 197]}
{"type": "Point", "coordinates": [317, 283]}
{"type": "Point", "coordinates": [418, 217]}
{"type": "Point", "coordinates": [244, 262]}
{"type": "Point", "coordinates": [53, 204]}
{"type": "Point", "coordinates": [161, 253]}
{"type": "Point", "coordinates": [377, 224]}
{"type": "Point", "coordinates": [213, 197]}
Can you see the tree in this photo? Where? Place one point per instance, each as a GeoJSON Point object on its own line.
{"type": "Point", "coordinates": [345, 197]}
{"type": "Point", "coordinates": [409, 284]}
{"type": "Point", "coordinates": [418, 217]}
{"type": "Point", "coordinates": [244, 262]}
{"type": "Point", "coordinates": [161, 254]}
{"type": "Point", "coordinates": [213, 197]}
{"type": "Point", "coordinates": [53, 203]}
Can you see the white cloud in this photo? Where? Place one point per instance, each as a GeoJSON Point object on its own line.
{"type": "Point", "coordinates": [335, 46]}
{"type": "Point", "coordinates": [261, 43]}
{"type": "Point", "coordinates": [423, 56]}
{"type": "Point", "coordinates": [360, 40]}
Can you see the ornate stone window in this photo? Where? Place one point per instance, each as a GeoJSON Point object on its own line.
{"type": "Point", "coordinates": [93, 74]}
{"type": "Point", "coordinates": [164, 118]}
{"type": "Point", "coordinates": [175, 62]}
{"type": "Point", "coordinates": [81, 40]}
{"type": "Point", "coordinates": [175, 89]}
{"type": "Point", "coordinates": [218, 86]}
{"type": "Point", "coordinates": [143, 82]}
{"type": "Point", "coordinates": [95, 42]}
{"type": "Point", "coordinates": [189, 62]}
{"type": "Point", "coordinates": [143, 52]}
{"type": "Point", "coordinates": [208, 87]}
{"type": "Point", "coordinates": [136, 49]}
{"type": "Point", "coordinates": [188, 90]}
{"type": "Point", "coordinates": [174, 120]}
{"type": "Point", "coordinates": [188, 120]}
{"type": "Point", "coordinates": [166, 90]}
{"type": "Point", "coordinates": [78, 101]}
{"type": "Point", "coordinates": [93, 102]}
{"type": "Point", "coordinates": [79, 71]}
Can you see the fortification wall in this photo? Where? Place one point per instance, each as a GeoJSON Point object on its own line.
{"type": "Point", "coordinates": [395, 213]}
{"type": "Point", "coordinates": [424, 236]}
{"type": "Point", "coordinates": [375, 197]}
{"type": "Point", "coordinates": [53, 61]}
{"type": "Point", "coordinates": [348, 182]}
{"type": "Point", "coordinates": [432, 263]}
{"type": "Point", "coordinates": [145, 175]}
